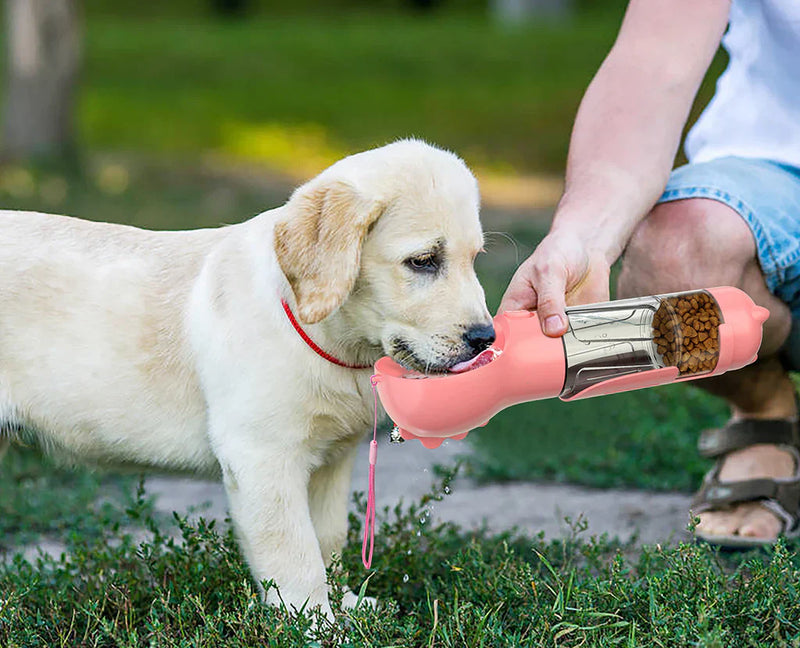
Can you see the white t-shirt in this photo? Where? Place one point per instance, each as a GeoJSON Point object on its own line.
{"type": "Point", "coordinates": [755, 112]}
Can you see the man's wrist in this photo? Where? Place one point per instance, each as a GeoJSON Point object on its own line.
{"type": "Point", "coordinates": [602, 237]}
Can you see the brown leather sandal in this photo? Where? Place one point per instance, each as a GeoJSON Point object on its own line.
{"type": "Point", "coordinates": [781, 496]}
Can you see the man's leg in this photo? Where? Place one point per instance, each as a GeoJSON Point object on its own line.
{"type": "Point", "coordinates": [702, 243]}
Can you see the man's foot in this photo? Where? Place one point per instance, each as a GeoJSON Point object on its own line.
{"type": "Point", "coordinates": [748, 519]}
{"type": "Point", "coordinates": [752, 445]}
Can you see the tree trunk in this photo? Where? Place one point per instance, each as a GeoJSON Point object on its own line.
{"type": "Point", "coordinates": [43, 40]}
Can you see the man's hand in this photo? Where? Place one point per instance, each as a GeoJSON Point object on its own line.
{"type": "Point", "coordinates": [562, 270]}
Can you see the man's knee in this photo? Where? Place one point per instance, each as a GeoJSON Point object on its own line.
{"type": "Point", "coordinates": [686, 244]}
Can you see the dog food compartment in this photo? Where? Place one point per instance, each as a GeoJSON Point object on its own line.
{"type": "Point", "coordinates": [614, 339]}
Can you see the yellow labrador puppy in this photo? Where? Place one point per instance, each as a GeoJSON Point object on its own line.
{"type": "Point", "coordinates": [177, 350]}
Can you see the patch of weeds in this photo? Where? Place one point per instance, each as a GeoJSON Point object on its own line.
{"type": "Point", "coordinates": [436, 584]}
{"type": "Point", "coordinates": [442, 586]}
{"type": "Point", "coordinates": [166, 592]}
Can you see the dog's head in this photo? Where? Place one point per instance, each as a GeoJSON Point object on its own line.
{"type": "Point", "coordinates": [388, 238]}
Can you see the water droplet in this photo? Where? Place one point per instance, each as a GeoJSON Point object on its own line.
{"type": "Point", "coordinates": [446, 490]}
{"type": "Point", "coordinates": [409, 552]}
{"type": "Point", "coordinates": [405, 578]}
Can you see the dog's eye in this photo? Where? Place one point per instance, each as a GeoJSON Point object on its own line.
{"type": "Point", "coordinates": [423, 263]}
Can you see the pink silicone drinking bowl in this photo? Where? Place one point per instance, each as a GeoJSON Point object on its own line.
{"type": "Point", "coordinates": [608, 348]}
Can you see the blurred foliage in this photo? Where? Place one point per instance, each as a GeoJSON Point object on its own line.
{"type": "Point", "coordinates": [288, 7]}
{"type": "Point", "coordinates": [141, 192]}
{"type": "Point", "coordinates": [498, 97]}
{"type": "Point", "coordinates": [41, 497]}
{"type": "Point", "coordinates": [323, 7]}
{"type": "Point", "coordinates": [643, 439]}
{"type": "Point", "coordinates": [293, 85]}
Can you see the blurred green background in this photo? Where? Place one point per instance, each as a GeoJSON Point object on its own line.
{"type": "Point", "coordinates": [197, 113]}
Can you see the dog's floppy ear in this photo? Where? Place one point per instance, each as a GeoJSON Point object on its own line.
{"type": "Point", "coordinates": [319, 245]}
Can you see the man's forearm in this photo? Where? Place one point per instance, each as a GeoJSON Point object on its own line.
{"type": "Point", "coordinates": [629, 124]}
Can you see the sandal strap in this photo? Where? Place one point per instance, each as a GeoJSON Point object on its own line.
{"type": "Point", "coordinates": [747, 432]}
{"type": "Point", "coordinates": [715, 494]}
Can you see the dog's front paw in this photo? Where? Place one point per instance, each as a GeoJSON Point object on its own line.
{"type": "Point", "coordinates": [350, 600]}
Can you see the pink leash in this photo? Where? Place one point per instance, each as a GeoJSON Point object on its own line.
{"type": "Point", "coordinates": [369, 521]}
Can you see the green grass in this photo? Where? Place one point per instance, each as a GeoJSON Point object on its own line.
{"type": "Point", "coordinates": [644, 439]}
{"type": "Point", "coordinates": [437, 586]}
{"type": "Point", "coordinates": [41, 498]}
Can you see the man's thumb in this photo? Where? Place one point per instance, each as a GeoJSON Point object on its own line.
{"type": "Point", "coordinates": [550, 309]}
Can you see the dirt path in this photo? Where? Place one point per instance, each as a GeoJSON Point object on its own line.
{"type": "Point", "coordinates": [406, 472]}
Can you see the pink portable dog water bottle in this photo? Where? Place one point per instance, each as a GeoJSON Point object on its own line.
{"type": "Point", "coordinates": [608, 348]}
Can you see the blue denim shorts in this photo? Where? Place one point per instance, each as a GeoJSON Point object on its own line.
{"type": "Point", "coordinates": [767, 196]}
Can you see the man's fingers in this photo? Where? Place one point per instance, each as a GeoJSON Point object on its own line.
{"type": "Point", "coordinates": [541, 282]}
{"type": "Point", "coordinates": [513, 301]}
{"type": "Point", "coordinates": [519, 295]}
{"type": "Point", "coordinates": [552, 316]}
{"type": "Point", "coordinates": [542, 288]}
{"type": "Point", "coordinates": [550, 302]}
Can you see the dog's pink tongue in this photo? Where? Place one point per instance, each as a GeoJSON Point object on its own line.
{"type": "Point", "coordinates": [480, 360]}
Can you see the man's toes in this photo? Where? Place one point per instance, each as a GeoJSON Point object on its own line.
{"type": "Point", "coordinates": [719, 523]}
{"type": "Point", "coordinates": [749, 520]}
{"type": "Point", "coordinates": [760, 523]}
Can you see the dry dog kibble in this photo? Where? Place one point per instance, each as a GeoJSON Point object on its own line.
{"type": "Point", "coordinates": [685, 330]}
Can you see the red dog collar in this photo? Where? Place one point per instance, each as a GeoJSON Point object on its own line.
{"type": "Point", "coordinates": [313, 345]}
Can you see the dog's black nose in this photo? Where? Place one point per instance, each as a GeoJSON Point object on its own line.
{"type": "Point", "coordinates": [479, 338]}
